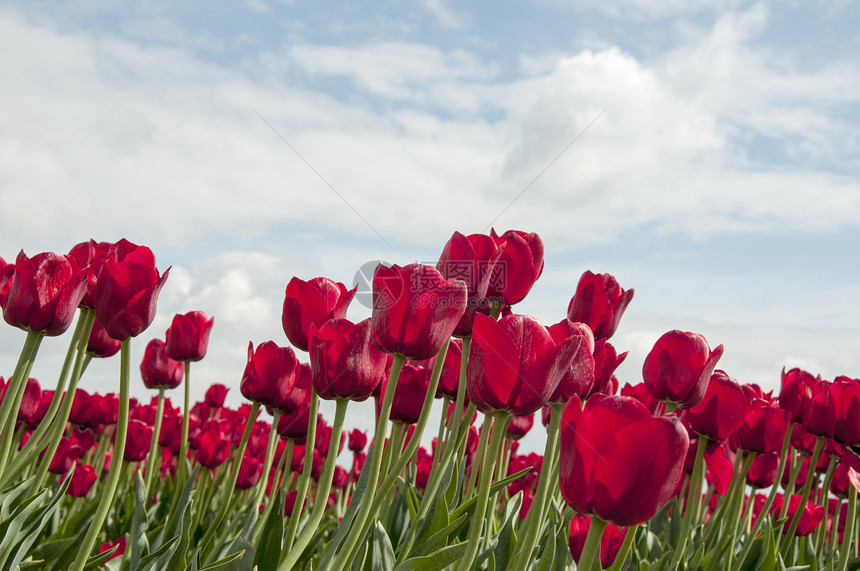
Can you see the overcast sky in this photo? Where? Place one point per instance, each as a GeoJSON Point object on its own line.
{"type": "Point", "coordinates": [704, 152]}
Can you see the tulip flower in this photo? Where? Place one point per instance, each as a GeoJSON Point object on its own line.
{"type": "Point", "coordinates": [82, 482]}
{"type": "Point", "coordinates": [215, 395]}
{"type": "Point", "coordinates": [409, 393]}
{"type": "Point", "coordinates": [641, 393]}
{"type": "Point", "coordinates": [763, 470]}
{"type": "Point", "coordinates": [796, 392]}
{"type": "Point", "coordinates": [515, 365]}
{"type": "Point", "coordinates": [270, 375]}
{"type": "Point", "coordinates": [810, 517]}
{"type": "Point", "coordinates": [763, 428]}
{"type": "Point", "coordinates": [599, 302]}
{"type": "Point", "coordinates": [617, 462]}
{"type": "Point", "coordinates": [415, 310]}
{"type": "Point", "coordinates": [188, 336]}
{"type": "Point", "coordinates": [471, 259]}
{"type": "Point", "coordinates": [518, 267]}
{"type": "Point", "coordinates": [449, 380]}
{"type": "Point", "coordinates": [345, 363]}
{"type": "Point", "coordinates": [578, 378]}
{"type": "Point", "coordinates": [606, 360]}
{"type": "Point", "coordinates": [44, 293]}
{"type": "Point", "coordinates": [721, 411]}
{"type": "Point", "coordinates": [100, 344]}
{"type": "Point", "coordinates": [520, 426]}
{"type": "Point", "coordinates": [91, 257]}
{"type": "Point", "coordinates": [834, 411]}
{"type": "Point", "coordinates": [157, 370]}
{"type": "Point", "coordinates": [610, 542]}
{"type": "Point", "coordinates": [137, 441]}
{"type": "Point", "coordinates": [30, 402]}
{"type": "Point", "coordinates": [357, 440]}
{"type": "Point", "coordinates": [212, 445]}
{"type": "Point", "coordinates": [678, 368]}
{"type": "Point", "coordinates": [312, 302]}
{"type": "Point", "coordinates": [250, 471]}
{"type": "Point", "coordinates": [126, 290]}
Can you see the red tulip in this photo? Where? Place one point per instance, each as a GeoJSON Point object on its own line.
{"type": "Point", "coordinates": [610, 542]}
{"type": "Point", "coordinates": [357, 440]}
{"type": "Point", "coordinates": [606, 360]}
{"type": "Point", "coordinates": [834, 411]}
{"type": "Point", "coordinates": [599, 302]}
{"type": "Point", "coordinates": [810, 518]}
{"type": "Point", "coordinates": [518, 267]}
{"type": "Point", "coordinates": [212, 445]}
{"type": "Point", "coordinates": [6, 272]}
{"type": "Point", "coordinates": [270, 375]}
{"type": "Point", "coordinates": [345, 364]}
{"type": "Point", "coordinates": [159, 371]}
{"type": "Point", "coordinates": [66, 455]}
{"type": "Point", "coordinates": [678, 368]}
{"type": "Point", "coordinates": [110, 545]}
{"type": "Point", "coordinates": [520, 426]}
{"type": "Point", "coordinates": [188, 336]}
{"type": "Point", "coordinates": [449, 380]}
{"type": "Point", "coordinates": [409, 394]}
{"type": "Point", "coordinates": [137, 441]}
{"type": "Point", "coordinates": [721, 411]}
{"type": "Point", "coordinates": [415, 309]}
{"type": "Point", "coordinates": [91, 256]}
{"type": "Point", "coordinates": [215, 395]}
{"type": "Point", "coordinates": [471, 259]}
{"type": "Point", "coordinates": [641, 393]}
{"type": "Point", "coordinates": [763, 428]}
{"type": "Point", "coordinates": [100, 344]}
{"type": "Point", "coordinates": [43, 293]}
{"type": "Point", "coordinates": [28, 412]}
{"type": "Point", "coordinates": [763, 470]}
{"type": "Point", "coordinates": [126, 290]}
{"type": "Point", "coordinates": [515, 365]}
{"type": "Point", "coordinates": [617, 461]}
{"type": "Point", "coordinates": [250, 471]}
{"type": "Point", "coordinates": [796, 392]}
{"type": "Point", "coordinates": [312, 302]}
{"type": "Point", "coordinates": [578, 378]}
{"type": "Point", "coordinates": [82, 481]}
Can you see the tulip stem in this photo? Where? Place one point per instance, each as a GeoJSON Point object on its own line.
{"type": "Point", "coordinates": [15, 393]}
{"type": "Point", "coordinates": [624, 550]}
{"type": "Point", "coordinates": [457, 414]}
{"type": "Point", "coordinates": [804, 494]}
{"type": "Point", "coordinates": [822, 501]}
{"type": "Point", "coordinates": [109, 489]}
{"type": "Point", "coordinates": [592, 544]}
{"type": "Point", "coordinates": [276, 486]}
{"type": "Point", "coordinates": [183, 442]}
{"type": "Point", "coordinates": [152, 463]}
{"type": "Point", "coordinates": [260, 487]}
{"type": "Point", "coordinates": [497, 422]}
{"type": "Point", "coordinates": [693, 499]}
{"type": "Point", "coordinates": [848, 534]}
{"type": "Point", "coordinates": [794, 470]}
{"type": "Point", "coordinates": [231, 485]}
{"type": "Point", "coordinates": [305, 477]}
{"type": "Point", "coordinates": [535, 516]}
{"type": "Point", "coordinates": [477, 463]}
{"type": "Point", "coordinates": [323, 488]}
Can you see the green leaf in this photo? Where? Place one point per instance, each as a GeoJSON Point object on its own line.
{"type": "Point", "coordinates": [268, 552]}
{"type": "Point", "coordinates": [503, 543]}
{"type": "Point", "coordinates": [383, 553]}
{"type": "Point", "coordinates": [434, 561]}
{"type": "Point", "coordinates": [469, 505]}
{"type": "Point", "coordinates": [96, 561]}
{"type": "Point", "coordinates": [137, 534]}
{"type": "Point", "coordinates": [436, 518]}
{"type": "Point", "coordinates": [440, 538]}
{"type": "Point", "coordinates": [159, 559]}
{"type": "Point", "coordinates": [232, 562]}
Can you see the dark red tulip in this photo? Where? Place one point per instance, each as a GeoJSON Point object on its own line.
{"type": "Point", "coordinates": [82, 481]}
{"type": "Point", "coordinates": [312, 302]}
{"type": "Point", "coordinates": [188, 336]}
{"type": "Point", "coordinates": [137, 441]}
{"type": "Point", "coordinates": [449, 380]}
{"type": "Point", "coordinates": [763, 428]}
{"type": "Point", "coordinates": [720, 463]}
{"type": "Point", "coordinates": [578, 379]}
{"type": "Point", "coordinates": [66, 455]}
{"type": "Point", "coordinates": [83, 412]}
{"type": "Point", "coordinates": [159, 371]}
{"type": "Point", "coordinates": [834, 411]}
{"type": "Point", "coordinates": [121, 542]}
{"type": "Point", "coordinates": [215, 395]}
{"type": "Point", "coordinates": [90, 256]}
{"type": "Point", "coordinates": [345, 363]}
{"type": "Point", "coordinates": [357, 440]}
{"type": "Point", "coordinates": [100, 344]}
{"type": "Point", "coordinates": [641, 393]}
{"type": "Point", "coordinates": [599, 302]}
{"type": "Point", "coordinates": [29, 410]}
{"type": "Point", "coordinates": [340, 479]}
{"type": "Point", "coordinates": [409, 394]}
{"type": "Point", "coordinates": [415, 309]}
{"type": "Point", "coordinates": [126, 290]}
{"type": "Point", "coordinates": [518, 267]}
{"type": "Point", "coordinates": [471, 259]}
{"type": "Point", "coordinates": [295, 423]}
{"type": "Point", "coordinates": [6, 272]}
{"type": "Point", "coordinates": [811, 516]}
{"type": "Point", "coordinates": [796, 392]}
{"type": "Point", "coordinates": [678, 368]}
{"type": "Point", "coordinates": [212, 445]}
{"type": "Point", "coordinates": [250, 471]}
{"type": "Point", "coordinates": [270, 375]}
{"type": "Point", "coordinates": [617, 462]}
{"type": "Point", "coordinates": [763, 470]}
{"type": "Point", "coordinates": [610, 542]}
{"type": "Point", "coordinates": [44, 293]}
{"type": "Point", "coordinates": [606, 360]}
{"type": "Point", "coordinates": [515, 365]}
{"type": "Point", "coordinates": [721, 411]}
{"type": "Point", "coordinates": [520, 426]}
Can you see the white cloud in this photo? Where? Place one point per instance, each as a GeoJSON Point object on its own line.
{"type": "Point", "coordinates": [443, 14]}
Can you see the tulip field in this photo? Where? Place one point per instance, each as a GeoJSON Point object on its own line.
{"type": "Point", "coordinates": [685, 468]}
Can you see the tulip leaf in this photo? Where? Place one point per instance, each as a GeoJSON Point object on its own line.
{"type": "Point", "coordinates": [502, 544]}
{"type": "Point", "coordinates": [436, 519]}
{"type": "Point", "coordinates": [469, 505]}
{"type": "Point", "coordinates": [435, 561]}
{"type": "Point", "coordinates": [399, 516]}
{"type": "Point", "coordinates": [440, 538]}
{"type": "Point", "coordinates": [138, 542]}
{"type": "Point", "coordinates": [233, 562]}
{"type": "Point", "coordinates": [159, 558]}
{"type": "Point", "coordinates": [382, 557]}
{"type": "Point", "coordinates": [96, 561]}
{"type": "Point", "coordinates": [268, 551]}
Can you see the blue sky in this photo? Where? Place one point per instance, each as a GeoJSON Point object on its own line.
{"type": "Point", "coordinates": [715, 170]}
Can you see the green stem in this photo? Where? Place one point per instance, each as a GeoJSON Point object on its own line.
{"type": "Point", "coordinates": [15, 393]}
{"type": "Point", "coordinates": [231, 483]}
{"type": "Point", "coordinates": [276, 486]}
{"type": "Point", "coordinates": [260, 488]}
{"type": "Point", "coordinates": [592, 544]}
{"type": "Point", "coordinates": [624, 551]}
{"type": "Point", "coordinates": [794, 471]}
{"type": "Point", "coordinates": [848, 533]}
{"type": "Point", "coordinates": [305, 477]}
{"type": "Point", "coordinates": [152, 464]}
{"type": "Point", "coordinates": [323, 488]}
{"type": "Point", "coordinates": [182, 468]}
{"type": "Point", "coordinates": [693, 499]}
{"type": "Point", "coordinates": [820, 531]}
{"type": "Point", "coordinates": [804, 494]}
{"type": "Point", "coordinates": [477, 523]}
{"type": "Point", "coordinates": [535, 516]}
{"type": "Point", "coordinates": [116, 464]}
{"type": "Point", "coordinates": [457, 414]}
{"type": "Point", "coordinates": [477, 464]}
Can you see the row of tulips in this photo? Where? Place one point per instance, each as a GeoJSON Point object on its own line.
{"type": "Point", "coordinates": [688, 469]}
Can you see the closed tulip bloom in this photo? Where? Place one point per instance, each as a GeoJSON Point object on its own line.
{"type": "Point", "coordinates": [796, 392]}
{"type": "Point", "coordinates": [215, 395]}
{"type": "Point", "coordinates": [518, 267]}
{"type": "Point", "coordinates": [44, 293]}
{"type": "Point", "coordinates": [212, 444]}
{"type": "Point", "coordinates": [137, 441]}
{"type": "Point", "coordinates": [6, 272]}
{"type": "Point", "coordinates": [357, 440]}
{"type": "Point", "coordinates": [188, 336]}
{"type": "Point", "coordinates": [763, 470]}
{"type": "Point", "coordinates": [312, 302]}
{"type": "Point", "coordinates": [520, 426]}
{"type": "Point", "coordinates": [606, 360]}
{"type": "Point", "coordinates": [678, 368]}
{"type": "Point", "coordinates": [599, 302]}
{"type": "Point", "coordinates": [763, 428]}
{"type": "Point", "coordinates": [82, 481]}
{"type": "Point", "coordinates": [250, 471]}
{"type": "Point", "coordinates": [345, 363]}
{"type": "Point", "coordinates": [834, 411]}
{"type": "Point", "coordinates": [617, 462]}
{"type": "Point", "coordinates": [100, 344]}
{"type": "Point", "coordinates": [811, 516]}
{"type": "Point", "coordinates": [470, 259]}
{"type": "Point", "coordinates": [126, 290]}
{"type": "Point", "coordinates": [449, 380]}
{"type": "Point", "coordinates": [270, 375]}
{"type": "Point", "coordinates": [641, 393]}
{"type": "Point", "coordinates": [28, 412]}
{"type": "Point", "coordinates": [515, 365]}
{"type": "Point", "coordinates": [159, 371]}
{"type": "Point", "coordinates": [415, 309]}
{"type": "Point", "coordinates": [578, 379]}
{"type": "Point", "coordinates": [91, 256]}
{"type": "Point", "coordinates": [610, 542]}
{"type": "Point", "coordinates": [721, 411]}
{"type": "Point", "coordinates": [409, 394]}
{"type": "Point", "coordinates": [67, 453]}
